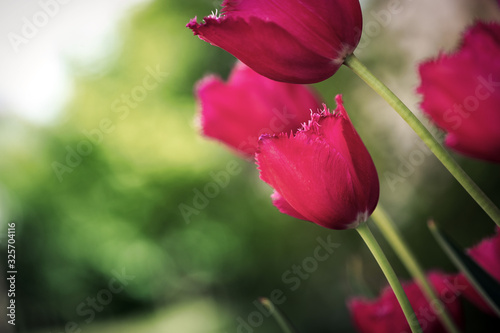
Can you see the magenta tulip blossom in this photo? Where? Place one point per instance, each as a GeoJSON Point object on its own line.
{"type": "Point", "coordinates": [385, 315]}
{"type": "Point", "coordinates": [323, 173]}
{"type": "Point", "coordinates": [238, 112]}
{"type": "Point", "coordinates": [487, 255]}
{"type": "Point", "coordinates": [293, 41]}
{"type": "Point", "coordinates": [461, 93]}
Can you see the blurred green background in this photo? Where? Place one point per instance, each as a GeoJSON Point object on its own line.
{"type": "Point", "coordinates": [113, 210]}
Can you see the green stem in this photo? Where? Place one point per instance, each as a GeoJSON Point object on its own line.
{"type": "Point", "coordinates": [481, 280]}
{"type": "Point", "coordinates": [371, 242]}
{"type": "Point", "coordinates": [467, 183]}
{"type": "Point", "coordinates": [388, 229]}
{"type": "Point", "coordinates": [282, 321]}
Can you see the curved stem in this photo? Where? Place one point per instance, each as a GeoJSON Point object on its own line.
{"type": "Point", "coordinates": [388, 229]}
{"type": "Point", "coordinates": [437, 149]}
{"type": "Point", "coordinates": [282, 321]}
{"type": "Point", "coordinates": [371, 242]}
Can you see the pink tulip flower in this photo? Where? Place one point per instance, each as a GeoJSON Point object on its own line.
{"type": "Point", "coordinates": [292, 41]}
{"type": "Point", "coordinates": [323, 173]}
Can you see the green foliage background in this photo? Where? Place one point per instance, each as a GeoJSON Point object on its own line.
{"type": "Point", "coordinates": [119, 208]}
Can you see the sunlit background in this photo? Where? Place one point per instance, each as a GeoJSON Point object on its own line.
{"type": "Point", "coordinates": [93, 177]}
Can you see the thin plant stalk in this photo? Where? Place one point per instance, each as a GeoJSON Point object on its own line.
{"type": "Point", "coordinates": [392, 235]}
{"type": "Point", "coordinates": [283, 322]}
{"type": "Point", "coordinates": [365, 233]}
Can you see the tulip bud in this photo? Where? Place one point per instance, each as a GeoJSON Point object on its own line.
{"type": "Point", "coordinates": [323, 173]}
{"type": "Point", "coordinates": [286, 40]}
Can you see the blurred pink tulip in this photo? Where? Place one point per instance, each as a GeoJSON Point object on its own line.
{"type": "Point", "coordinates": [249, 105]}
{"type": "Point", "coordinates": [461, 93]}
{"type": "Point", "coordinates": [487, 255]}
{"type": "Point", "coordinates": [384, 314]}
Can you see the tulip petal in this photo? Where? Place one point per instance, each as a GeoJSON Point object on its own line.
{"type": "Point", "coordinates": [291, 166]}
{"type": "Point", "coordinates": [284, 207]}
{"type": "Point", "coordinates": [342, 134]}
{"type": "Point", "coordinates": [487, 255]}
{"type": "Point", "coordinates": [259, 43]}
